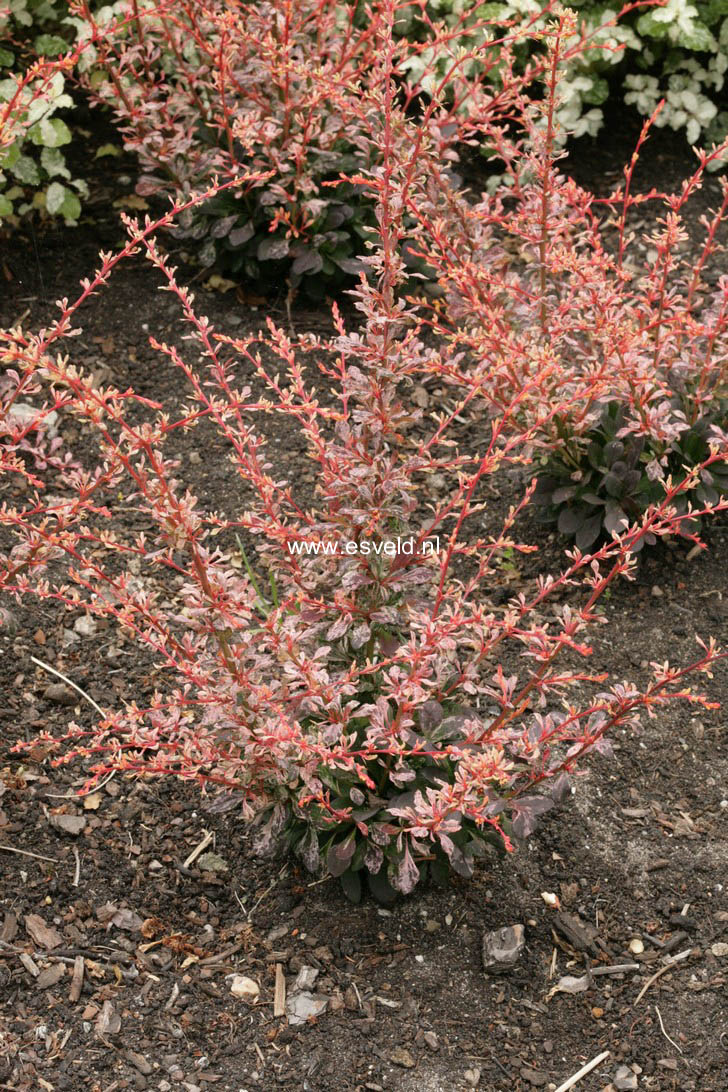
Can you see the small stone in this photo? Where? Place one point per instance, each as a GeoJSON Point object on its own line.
{"type": "Point", "coordinates": [502, 948]}
{"type": "Point", "coordinates": [300, 1007]}
{"type": "Point", "coordinates": [69, 824]}
{"type": "Point", "coordinates": [247, 989]}
{"type": "Point", "coordinates": [720, 949]}
{"type": "Point", "coordinates": [85, 626]}
{"type": "Point", "coordinates": [472, 1077]}
{"type": "Point", "coordinates": [139, 1062]}
{"type": "Point", "coordinates": [431, 1040]}
{"type": "Point", "coordinates": [306, 978]}
{"type": "Point", "coordinates": [636, 946]}
{"type": "Point", "coordinates": [403, 1058]}
{"type": "Point", "coordinates": [657, 591]}
{"type": "Point", "coordinates": [59, 694]}
{"type": "Point", "coordinates": [624, 1079]}
{"type": "Point", "coordinates": [535, 1077]}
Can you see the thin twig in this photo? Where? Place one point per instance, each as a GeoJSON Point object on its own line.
{"type": "Point", "coordinates": [199, 848]}
{"type": "Point", "coordinates": [77, 874]}
{"type": "Point", "coordinates": [27, 853]}
{"type": "Point", "coordinates": [79, 795]}
{"type": "Point", "coordinates": [583, 1072]}
{"type": "Point", "coordinates": [47, 667]}
{"type": "Point", "coordinates": [662, 1029]}
{"type": "Point", "coordinates": [663, 970]}
{"type": "Point", "coordinates": [616, 968]}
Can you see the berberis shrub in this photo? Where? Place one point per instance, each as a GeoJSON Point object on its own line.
{"type": "Point", "coordinates": [627, 328]}
{"type": "Point", "coordinates": [372, 710]}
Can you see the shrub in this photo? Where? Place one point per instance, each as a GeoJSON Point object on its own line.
{"type": "Point", "coordinates": [206, 89]}
{"type": "Point", "coordinates": [599, 483]}
{"type": "Point", "coordinates": [540, 276]}
{"type": "Point", "coordinates": [372, 710]}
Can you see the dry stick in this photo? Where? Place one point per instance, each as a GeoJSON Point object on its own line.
{"type": "Point", "coordinates": [198, 849]}
{"type": "Point", "coordinates": [662, 1029]}
{"type": "Point", "coordinates": [616, 968]}
{"type": "Point", "coordinates": [27, 853]}
{"type": "Point", "coordinates": [279, 997]}
{"type": "Point", "coordinates": [47, 667]}
{"type": "Point", "coordinates": [663, 970]}
{"type": "Point", "coordinates": [77, 980]}
{"type": "Point", "coordinates": [583, 1072]}
{"type": "Point", "coordinates": [77, 873]}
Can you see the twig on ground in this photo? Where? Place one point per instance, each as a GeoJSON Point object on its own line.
{"type": "Point", "coordinates": [70, 682]}
{"type": "Point", "coordinates": [199, 848]}
{"type": "Point", "coordinates": [77, 873]}
{"type": "Point", "coordinates": [80, 795]}
{"type": "Point", "coordinates": [616, 968]}
{"type": "Point", "coordinates": [267, 891]}
{"type": "Point", "coordinates": [77, 980]}
{"type": "Point", "coordinates": [658, 974]}
{"type": "Point", "coordinates": [662, 1029]}
{"type": "Point", "coordinates": [583, 1072]}
{"type": "Point", "coordinates": [27, 853]}
{"type": "Point", "coordinates": [279, 997]}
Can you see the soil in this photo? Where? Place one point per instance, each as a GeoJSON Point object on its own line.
{"type": "Point", "coordinates": [639, 853]}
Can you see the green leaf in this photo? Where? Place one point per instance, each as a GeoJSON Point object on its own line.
{"type": "Point", "coordinates": [26, 170]}
{"type": "Point", "coordinates": [50, 45]}
{"type": "Point", "coordinates": [50, 132]}
{"type": "Point", "coordinates": [6, 57]}
{"type": "Point", "coordinates": [6, 206]}
{"type": "Point", "coordinates": [107, 149]}
{"type": "Point", "coordinates": [53, 163]}
{"type": "Point", "coordinates": [62, 202]}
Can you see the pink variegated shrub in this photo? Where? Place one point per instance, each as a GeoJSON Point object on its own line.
{"type": "Point", "coordinates": [540, 276]}
{"type": "Point", "coordinates": [204, 88]}
{"type": "Point", "coordinates": [367, 705]}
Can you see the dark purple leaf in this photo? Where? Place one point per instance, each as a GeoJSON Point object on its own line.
{"type": "Point", "coordinates": [340, 854]}
{"type": "Point", "coordinates": [526, 810]}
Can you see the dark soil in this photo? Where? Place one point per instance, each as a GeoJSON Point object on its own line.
{"type": "Point", "coordinates": [639, 853]}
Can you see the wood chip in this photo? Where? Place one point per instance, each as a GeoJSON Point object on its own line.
{"type": "Point", "coordinates": [77, 981]}
{"type": "Point", "coordinates": [30, 966]}
{"type": "Point", "coordinates": [51, 976]}
{"type": "Point", "coordinates": [42, 934]}
{"type": "Point", "coordinates": [279, 997]}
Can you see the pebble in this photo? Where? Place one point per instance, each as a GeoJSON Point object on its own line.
{"type": "Point", "coordinates": [535, 1077]}
{"type": "Point", "coordinates": [431, 1040]}
{"type": "Point", "coordinates": [247, 989]}
{"type": "Point", "coordinates": [502, 948]}
{"type": "Point", "coordinates": [472, 1077]}
{"type": "Point", "coordinates": [624, 1079]}
{"type": "Point", "coordinates": [59, 694]}
{"type": "Point", "coordinates": [657, 591]}
{"type": "Point", "coordinates": [403, 1058]}
{"type": "Point", "coordinates": [300, 1007]}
